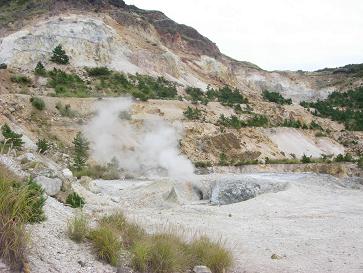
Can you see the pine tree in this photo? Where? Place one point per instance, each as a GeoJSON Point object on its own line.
{"type": "Point", "coordinates": [11, 137]}
{"type": "Point", "coordinates": [59, 56]}
{"type": "Point", "coordinates": [81, 148]}
{"type": "Point", "coordinates": [40, 69]}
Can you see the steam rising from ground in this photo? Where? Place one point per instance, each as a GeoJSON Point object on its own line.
{"type": "Point", "coordinates": [143, 148]}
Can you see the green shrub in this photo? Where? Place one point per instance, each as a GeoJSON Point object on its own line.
{"type": "Point", "coordinates": [129, 232]}
{"type": "Point", "coordinates": [38, 103]}
{"type": "Point", "coordinates": [40, 70]}
{"type": "Point", "coordinates": [306, 159]}
{"type": "Point", "coordinates": [275, 97]}
{"type": "Point", "coordinates": [98, 71]}
{"type": "Point", "coordinates": [229, 96]}
{"type": "Point", "coordinates": [65, 110]}
{"type": "Point", "coordinates": [42, 145]}
{"type": "Point", "coordinates": [106, 244]}
{"type": "Point", "coordinates": [78, 228]}
{"type": "Point", "coordinates": [11, 138]}
{"type": "Point", "coordinates": [67, 85]}
{"type": "Point", "coordinates": [21, 79]}
{"type": "Point", "coordinates": [75, 200]}
{"type": "Point", "coordinates": [343, 158]}
{"type": "Point", "coordinates": [143, 87]}
{"type": "Point", "coordinates": [344, 107]}
{"type": "Point", "coordinates": [196, 95]}
{"type": "Point", "coordinates": [109, 172]}
{"type": "Point", "coordinates": [223, 160]}
{"type": "Point", "coordinates": [192, 114]}
{"type": "Point", "coordinates": [211, 254]}
{"type": "Point", "coordinates": [234, 122]}
{"type": "Point", "coordinates": [320, 134]}
{"type": "Point", "coordinates": [59, 56]}
{"type": "Point", "coordinates": [315, 126]}
{"type": "Point", "coordinates": [36, 201]}
{"type": "Point", "coordinates": [20, 203]}
{"type": "Point", "coordinates": [292, 123]}
{"type": "Point", "coordinates": [202, 164]}
{"type": "Point", "coordinates": [81, 148]}
{"type": "Point", "coordinates": [360, 163]}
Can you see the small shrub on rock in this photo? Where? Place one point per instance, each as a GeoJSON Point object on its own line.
{"type": "Point", "coordinates": [192, 114]}
{"type": "Point", "coordinates": [11, 138]}
{"type": "Point", "coordinates": [42, 145]}
{"type": "Point", "coordinates": [40, 70]}
{"type": "Point", "coordinates": [75, 200]}
{"type": "Point", "coordinates": [306, 159]}
{"type": "Point", "coordinates": [38, 103]}
{"type": "Point", "coordinates": [59, 56]}
{"type": "Point", "coordinates": [21, 79]}
{"type": "Point", "coordinates": [98, 71]}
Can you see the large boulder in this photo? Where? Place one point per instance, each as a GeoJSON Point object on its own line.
{"type": "Point", "coordinates": [234, 192]}
{"type": "Point", "coordinates": [51, 186]}
{"type": "Point", "coordinates": [228, 191]}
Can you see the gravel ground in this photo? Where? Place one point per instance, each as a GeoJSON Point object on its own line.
{"type": "Point", "coordinates": [314, 225]}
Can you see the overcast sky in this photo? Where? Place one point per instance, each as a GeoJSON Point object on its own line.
{"type": "Point", "coordinates": [275, 34]}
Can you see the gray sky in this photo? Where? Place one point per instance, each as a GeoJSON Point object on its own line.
{"type": "Point", "coordinates": [275, 34]}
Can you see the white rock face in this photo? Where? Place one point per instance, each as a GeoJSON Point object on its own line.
{"type": "Point", "coordinates": [292, 141]}
{"type": "Point", "coordinates": [51, 185]}
{"type": "Point", "coordinates": [88, 41]}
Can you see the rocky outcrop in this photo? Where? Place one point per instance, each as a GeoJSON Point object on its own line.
{"type": "Point", "coordinates": [237, 190]}
{"type": "Point", "coordinates": [51, 186]}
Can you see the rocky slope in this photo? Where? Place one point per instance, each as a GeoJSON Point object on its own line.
{"type": "Point", "coordinates": [125, 38]}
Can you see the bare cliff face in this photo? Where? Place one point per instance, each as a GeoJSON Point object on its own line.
{"type": "Point", "coordinates": [125, 38]}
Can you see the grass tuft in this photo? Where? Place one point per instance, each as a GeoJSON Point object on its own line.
{"type": "Point", "coordinates": [78, 228]}
{"type": "Point", "coordinates": [106, 244]}
{"type": "Point", "coordinates": [211, 254]}
{"type": "Point", "coordinates": [20, 203]}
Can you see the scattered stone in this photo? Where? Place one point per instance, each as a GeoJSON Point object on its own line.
{"type": "Point", "coordinates": [81, 263]}
{"type": "Point", "coordinates": [276, 257]}
{"type": "Point", "coordinates": [3, 66]}
{"type": "Point", "coordinates": [67, 173]}
{"type": "Point", "coordinates": [52, 186]}
{"type": "Point", "coordinates": [201, 269]}
{"type": "Point", "coordinates": [28, 157]}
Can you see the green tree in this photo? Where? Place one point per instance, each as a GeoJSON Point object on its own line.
{"type": "Point", "coordinates": [11, 138]}
{"type": "Point", "coordinates": [40, 69]}
{"type": "Point", "coordinates": [42, 145]}
{"type": "Point", "coordinates": [81, 148]}
{"type": "Point", "coordinates": [192, 114]}
{"type": "Point", "coordinates": [59, 56]}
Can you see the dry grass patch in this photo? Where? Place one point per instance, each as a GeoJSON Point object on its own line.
{"type": "Point", "coordinates": [164, 252]}
{"type": "Point", "coordinates": [78, 227]}
{"type": "Point", "coordinates": [20, 203]}
{"type": "Point", "coordinates": [212, 254]}
{"type": "Point", "coordinates": [106, 244]}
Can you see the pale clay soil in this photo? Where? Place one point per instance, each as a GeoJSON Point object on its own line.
{"type": "Point", "coordinates": [315, 225]}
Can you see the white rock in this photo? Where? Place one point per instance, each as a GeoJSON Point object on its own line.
{"type": "Point", "coordinates": [201, 269]}
{"type": "Point", "coordinates": [51, 185]}
{"type": "Point", "coordinates": [27, 156]}
{"type": "Point", "coordinates": [67, 173]}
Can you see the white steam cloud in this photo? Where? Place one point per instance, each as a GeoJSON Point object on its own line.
{"type": "Point", "coordinates": [148, 147]}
